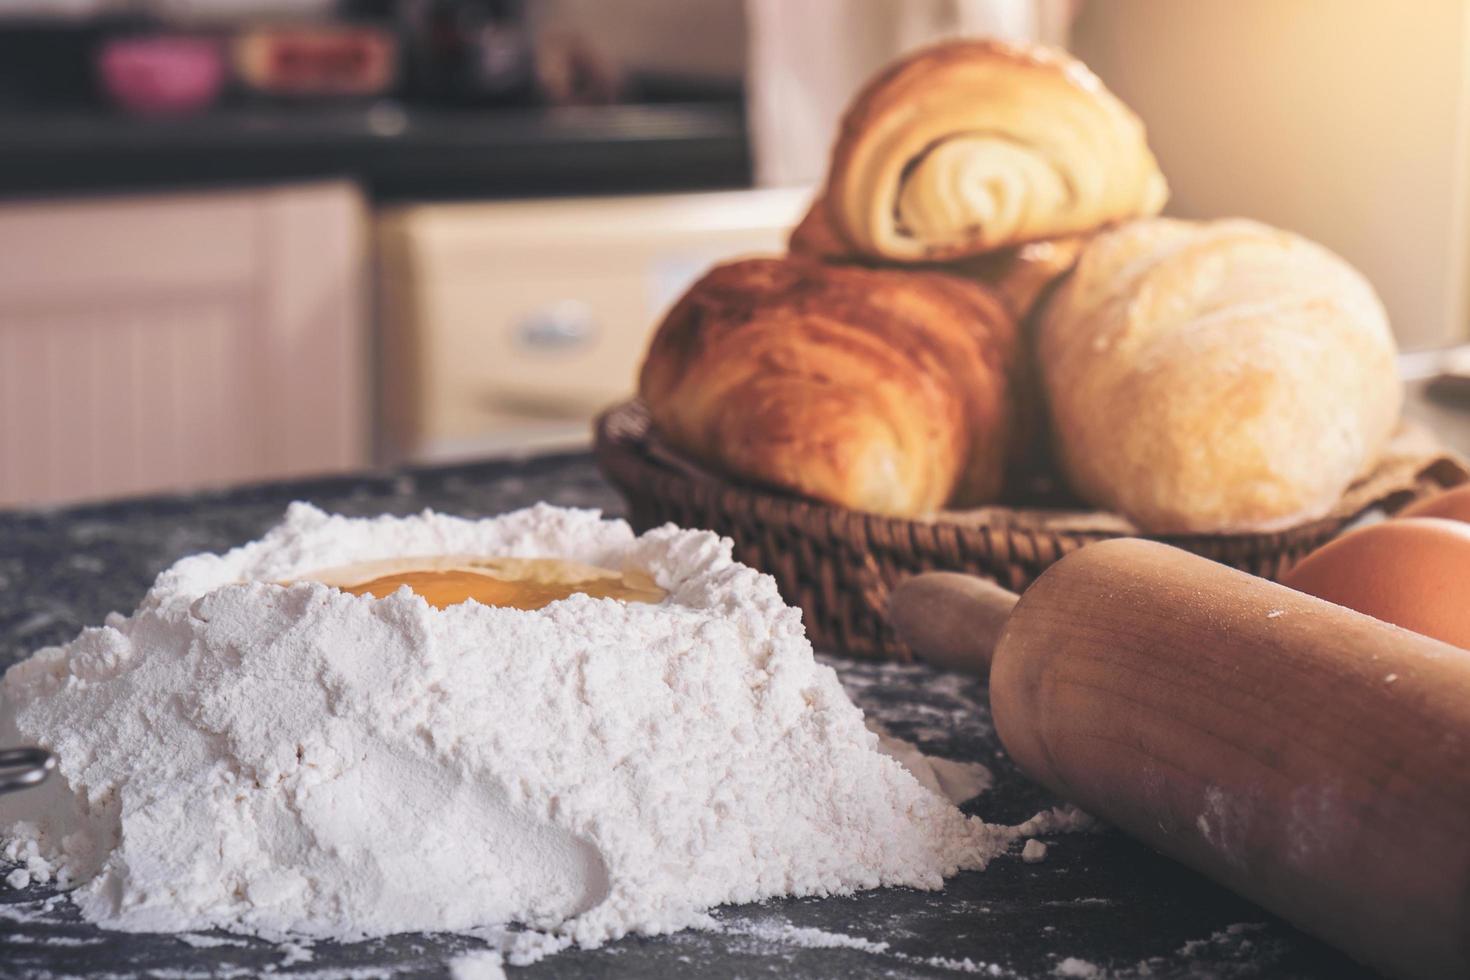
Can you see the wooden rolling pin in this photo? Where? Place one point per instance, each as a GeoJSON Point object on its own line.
{"type": "Point", "coordinates": [1315, 760]}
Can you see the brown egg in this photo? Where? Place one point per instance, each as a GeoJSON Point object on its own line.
{"type": "Point", "coordinates": [1453, 505]}
{"type": "Point", "coordinates": [1413, 572]}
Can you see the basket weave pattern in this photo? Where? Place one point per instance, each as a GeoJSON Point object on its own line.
{"type": "Point", "coordinates": [839, 565]}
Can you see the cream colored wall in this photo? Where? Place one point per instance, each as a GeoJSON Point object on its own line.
{"type": "Point", "coordinates": [1345, 120]}
{"type": "Point", "coordinates": [808, 58]}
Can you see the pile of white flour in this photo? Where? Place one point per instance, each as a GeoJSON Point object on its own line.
{"type": "Point", "coordinates": [298, 761]}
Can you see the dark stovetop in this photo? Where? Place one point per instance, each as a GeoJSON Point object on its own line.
{"type": "Point", "coordinates": [1099, 905]}
{"type": "Point", "coordinates": [396, 151]}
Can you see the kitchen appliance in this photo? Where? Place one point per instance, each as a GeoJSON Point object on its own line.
{"type": "Point", "coordinates": [303, 61]}
{"type": "Point", "coordinates": [161, 74]}
{"type": "Point", "coordinates": [469, 51]}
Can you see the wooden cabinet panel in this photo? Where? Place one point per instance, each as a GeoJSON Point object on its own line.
{"type": "Point", "coordinates": [80, 249]}
{"type": "Point", "coordinates": [180, 341]}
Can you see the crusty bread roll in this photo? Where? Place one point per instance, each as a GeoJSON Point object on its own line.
{"type": "Point", "coordinates": [1019, 275]}
{"type": "Point", "coordinates": [971, 146]}
{"type": "Point", "coordinates": [892, 392]}
{"type": "Point", "coordinates": [1215, 377]}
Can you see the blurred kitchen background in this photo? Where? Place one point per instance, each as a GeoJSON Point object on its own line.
{"type": "Point", "coordinates": [247, 239]}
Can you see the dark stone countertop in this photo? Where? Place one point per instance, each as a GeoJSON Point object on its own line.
{"type": "Point", "coordinates": [1098, 898]}
{"type": "Point", "coordinates": [396, 151]}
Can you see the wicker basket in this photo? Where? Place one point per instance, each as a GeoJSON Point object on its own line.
{"type": "Point", "coordinates": [838, 565]}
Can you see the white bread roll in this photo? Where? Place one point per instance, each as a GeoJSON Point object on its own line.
{"type": "Point", "coordinates": [1216, 377]}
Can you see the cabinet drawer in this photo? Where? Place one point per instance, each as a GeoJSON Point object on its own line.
{"type": "Point", "coordinates": [572, 342]}
{"type": "Point", "coordinates": [532, 313]}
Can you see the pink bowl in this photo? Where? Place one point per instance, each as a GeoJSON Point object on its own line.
{"type": "Point", "coordinates": [162, 74]}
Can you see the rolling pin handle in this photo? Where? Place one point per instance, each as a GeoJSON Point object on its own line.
{"type": "Point", "coordinates": [950, 620]}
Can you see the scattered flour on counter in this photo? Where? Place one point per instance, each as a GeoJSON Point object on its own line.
{"type": "Point", "coordinates": [293, 761]}
{"type": "Point", "coordinates": [785, 933]}
{"type": "Point", "coordinates": [70, 942]}
{"type": "Point", "coordinates": [33, 867]}
{"type": "Point", "coordinates": [1064, 819]}
{"type": "Point", "coordinates": [777, 933]}
{"type": "Point", "coordinates": [31, 913]}
{"type": "Point", "coordinates": [520, 948]}
{"type": "Point", "coordinates": [526, 948]}
{"type": "Point", "coordinates": [965, 965]}
{"type": "Point", "coordinates": [958, 781]}
{"type": "Point", "coordinates": [294, 954]}
{"type": "Point", "coordinates": [1070, 902]}
{"type": "Point", "coordinates": [482, 964]}
{"type": "Point", "coordinates": [1074, 967]}
{"type": "Point", "coordinates": [1232, 937]}
{"type": "Point", "coordinates": [201, 941]}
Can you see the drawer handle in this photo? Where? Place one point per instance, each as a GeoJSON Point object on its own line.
{"type": "Point", "coordinates": [566, 325]}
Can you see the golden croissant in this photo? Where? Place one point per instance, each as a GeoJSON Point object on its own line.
{"type": "Point", "coordinates": [1020, 276]}
{"type": "Point", "coordinates": [887, 391]}
{"type": "Point", "coordinates": [971, 146]}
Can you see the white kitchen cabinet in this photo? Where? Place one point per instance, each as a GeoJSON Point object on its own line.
{"type": "Point", "coordinates": [511, 324]}
{"type": "Point", "coordinates": [149, 343]}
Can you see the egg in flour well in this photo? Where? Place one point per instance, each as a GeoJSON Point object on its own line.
{"type": "Point", "coordinates": [519, 583]}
